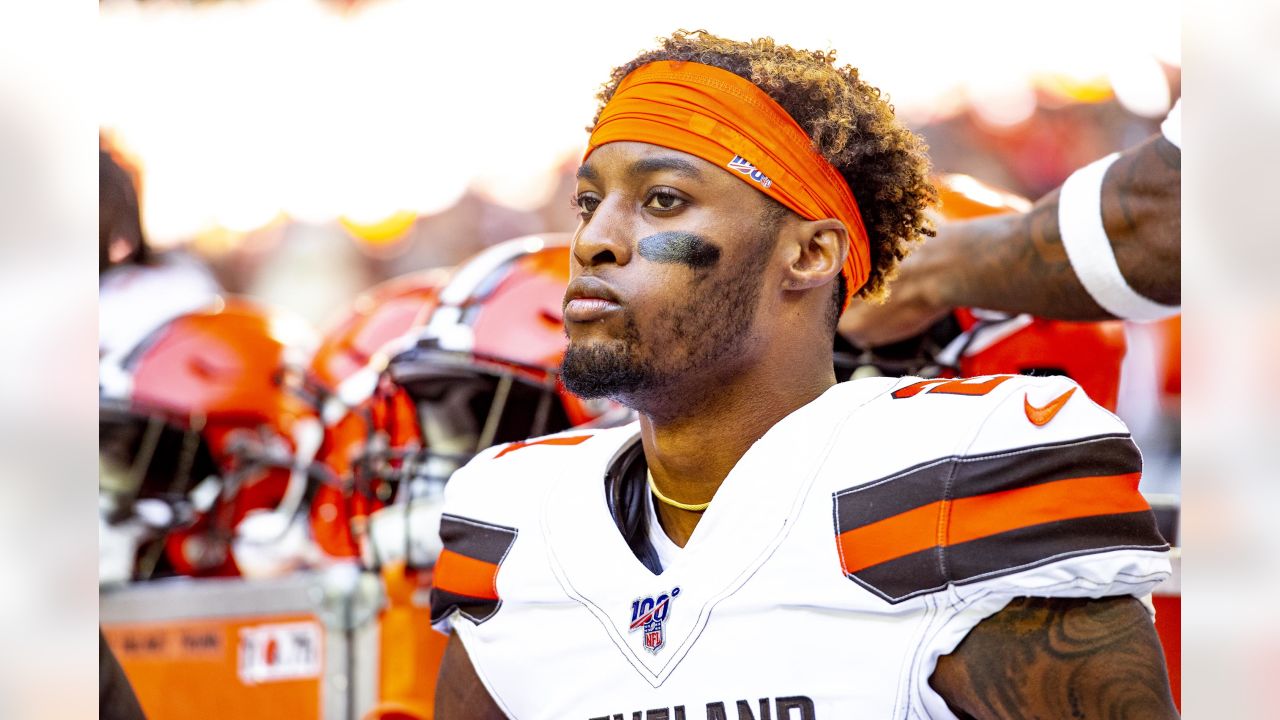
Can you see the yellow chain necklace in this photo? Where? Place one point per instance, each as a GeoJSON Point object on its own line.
{"type": "Point", "coordinates": [673, 503]}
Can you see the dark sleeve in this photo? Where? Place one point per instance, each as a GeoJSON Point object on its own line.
{"type": "Point", "coordinates": [116, 700]}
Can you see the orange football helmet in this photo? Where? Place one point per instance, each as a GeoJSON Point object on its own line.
{"type": "Point", "coordinates": [203, 433]}
{"type": "Point", "coordinates": [369, 422]}
{"type": "Point", "coordinates": [971, 342]}
{"type": "Point", "coordinates": [483, 370]}
{"type": "Point", "coordinates": [486, 367]}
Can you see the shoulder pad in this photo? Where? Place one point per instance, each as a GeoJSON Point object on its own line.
{"type": "Point", "coordinates": [1047, 475]}
{"type": "Point", "coordinates": [494, 474]}
{"type": "Point", "coordinates": [488, 502]}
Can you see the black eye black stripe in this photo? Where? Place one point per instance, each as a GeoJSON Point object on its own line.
{"type": "Point", "coordinates": [679, 247]}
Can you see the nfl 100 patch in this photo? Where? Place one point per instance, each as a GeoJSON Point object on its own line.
{"type": "Point", "coordinates": [649, 614]}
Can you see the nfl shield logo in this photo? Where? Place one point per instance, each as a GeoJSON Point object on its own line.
{"type": "Point", "coordinates": [649, 614]}
{"type": "Point", "coordinates": [653, 640]}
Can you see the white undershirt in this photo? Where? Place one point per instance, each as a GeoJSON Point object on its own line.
{"type": "Point", "coordinates": [662, 543]}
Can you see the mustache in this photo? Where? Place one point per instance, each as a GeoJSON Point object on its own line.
{"type": "Point", "coordinates": [682, 248]}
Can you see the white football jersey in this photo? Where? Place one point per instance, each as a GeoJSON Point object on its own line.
{"type": "Point", "coordinates": [857, 541]}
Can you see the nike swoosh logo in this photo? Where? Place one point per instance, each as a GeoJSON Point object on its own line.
{"type": "Point", "coordinates": [1040, 416]}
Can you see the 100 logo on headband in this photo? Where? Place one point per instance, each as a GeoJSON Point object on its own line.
{"type": "Point", "coordinates": [649, 613]}
{"type": "Point", "coordinates": [746, 168]}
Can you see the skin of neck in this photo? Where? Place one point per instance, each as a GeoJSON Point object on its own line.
{"type": "Point", "coordinates": [691, 443]}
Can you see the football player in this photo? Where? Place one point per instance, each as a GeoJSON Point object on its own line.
{"type": "Point", "coordinates": [138, 288]}
{"type": "Point", "coordinates": [969, 341]}
{"type": "Point", "coordinates": [1106, 244]}
{"type": "Point", "coordinates": [765, 542]}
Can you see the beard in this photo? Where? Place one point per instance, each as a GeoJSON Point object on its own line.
{"type": "Point", "coordinates": [612, 371]}
{"type": "Point", "coordinates": [695, 338]}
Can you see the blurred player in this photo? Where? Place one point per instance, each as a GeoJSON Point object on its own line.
{"type": "Point", "coordinates": [1107, 244]}
{"type": "Point", "coordinates": [206, 447]}
{"type": "Point", "coordinates": [138, 289]}
{"type": "Point", "coordinates": [969, 342]}
{"type": "Point", "coordinates": [765, 542]}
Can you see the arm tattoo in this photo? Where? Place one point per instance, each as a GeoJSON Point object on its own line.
{"type": "Point", "coordinates": [1059, 658]}
{"type": "Point", "coordinates": [1017, 263]}
{"type": "Point", "coordinates": [1141, 210]}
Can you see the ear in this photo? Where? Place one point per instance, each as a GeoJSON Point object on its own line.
{"type": "Point", "coordinates": [816, 251]}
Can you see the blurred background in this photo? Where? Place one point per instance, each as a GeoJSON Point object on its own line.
{"type": "Point", "coordinates": [305, 149]}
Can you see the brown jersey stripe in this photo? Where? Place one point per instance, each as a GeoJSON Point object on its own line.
{"type": "Point", "coordinates": [957, 477]}
{"type": "Point", "coordinates": [922, 572]}
{"type": "Point", "coordinates": [949, 522]}
{"type": "Point", "coordinates": [1039, 544]}
{"type": "Point", "coordinates": [444, 602]}
{"type": "Point", "coordinates": [1091, 457]}
{"type": "Point", "coordinates": [475, 539]}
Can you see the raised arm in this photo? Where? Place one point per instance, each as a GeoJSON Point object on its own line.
{"type": "Point", "coordinates": [1017, 263]}
{"type": "Point", "coordinates": [1059, 658]}
{"type": "Point", "coordinates": [459, 693]}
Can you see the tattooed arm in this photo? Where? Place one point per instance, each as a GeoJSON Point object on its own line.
{"type": "Point", "coordinates": [1016, 263]}
{"type": "Point", "coordinates": [1059, 658]}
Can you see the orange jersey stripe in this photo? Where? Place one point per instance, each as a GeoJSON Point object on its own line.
{"type": "Point", "coordinates": [950, 522]}
{"type": "Point", "coordinates": [942, 386]}
{"type": "Point", "coordinates": [997, 512]}
{"type": "Point", "coordinates": [893, 537]}
{"type": "Point", "coordinates": [462, 575]}
{"type": "Point", "coordinates": [571, 440]}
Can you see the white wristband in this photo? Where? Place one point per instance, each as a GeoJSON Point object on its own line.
{"type": "Point", "coordinates": [1089, 249]}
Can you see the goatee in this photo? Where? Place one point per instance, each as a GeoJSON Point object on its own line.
{"type": "Point", "coordinates": [605, 371]}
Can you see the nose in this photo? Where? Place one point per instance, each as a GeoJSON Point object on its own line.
{"type": "Point", "coordinates": [602, 239]}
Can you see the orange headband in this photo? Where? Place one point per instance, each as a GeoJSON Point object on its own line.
{"type": "Point", "coordinates": [726, 120]}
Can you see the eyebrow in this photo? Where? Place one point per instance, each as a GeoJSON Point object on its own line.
{"type": "Point", "coordinates": [677, 165]}
{"type": "Point", "coordinates": [645, 166]}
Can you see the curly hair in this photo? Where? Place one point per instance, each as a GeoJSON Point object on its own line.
{"type": "Point", "coordinates": [851, 125]}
